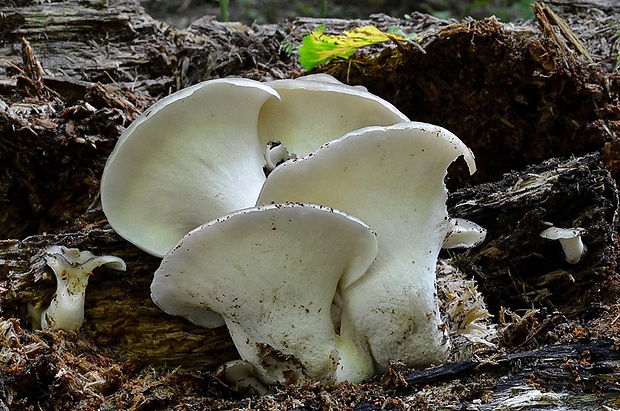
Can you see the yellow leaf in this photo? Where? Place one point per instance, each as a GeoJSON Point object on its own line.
{"type": "Point", "coordinates": [371, 35]}
{"type": "Point", "coordinates": [318, 48]}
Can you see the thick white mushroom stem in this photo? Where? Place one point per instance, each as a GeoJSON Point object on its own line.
{"type": "Point", "coordinates": [392, 178]}
{"type": "Point", "coordinates": [272, 272]}
{"type": "Point", "coordinates": [72, 269]}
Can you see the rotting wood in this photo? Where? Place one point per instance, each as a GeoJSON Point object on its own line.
{"type": "Point", "coordinates": [564, 36]}
{"type": "Point", "coordinates": [121, 319]}
{"type": "Point", "coordinates": [119, 313]}
{"type": "Point", "coordinates": [105, 61]}
{"type": "Point", "coordinates": [519, 269]}
{"type": "Point", "coordinates": [538, 378]}
{"type": "Point", "coordinates": [540, 98]}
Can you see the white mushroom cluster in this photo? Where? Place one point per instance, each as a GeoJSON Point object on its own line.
{"type": "Point", "coordinates": [305, 215]}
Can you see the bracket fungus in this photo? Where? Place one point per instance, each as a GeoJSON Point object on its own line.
{"type": "Point", "coordinates": [570, 239]}
{"type": "Point", "coordinates": [72, 268]}
{"type": "Point", "coordinates": [392, 178]}
{"type": "Point", "coordinates": [273, 273]}
{"type": "Point", "coordinates": [199, 153]}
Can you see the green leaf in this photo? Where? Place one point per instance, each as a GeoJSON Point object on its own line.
{"type": "Point", "coordinates": [318, 48]}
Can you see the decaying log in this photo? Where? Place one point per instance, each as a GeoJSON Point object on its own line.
{"type": "Point", "coordinates": [73, 74]}
{"type": "Point", "coordinates": [519, 269]}
{"type": "Point", "coordinates": [515, 267]}
{"type": "Point", "coordinates": [539, 377]}
{"type": "Point", "coordinates": [514, 98]}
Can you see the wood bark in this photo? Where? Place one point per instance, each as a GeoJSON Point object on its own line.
{"type": "Point", "coordinates": [74, 74]}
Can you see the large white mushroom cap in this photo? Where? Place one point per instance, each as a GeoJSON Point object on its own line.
{"type": "Point", "coordinates": [199, 153]}
{"type": "Point", "coordinates": [392, 178]}
{"type": "Point", "coordinates": [190, 158]}
{"type": "Point", "coordinates": [273, 273]}
{"type": "Point", "coordinates": [318, 108]}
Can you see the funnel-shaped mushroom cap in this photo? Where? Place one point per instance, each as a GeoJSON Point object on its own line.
{"type": "Point", "coordinates": [272, 272]}
{"type": "Point", "coordinates": [72, 268]}
{"type": "Point", "coordinates": [193, 156]}
{"type": "Point", "coordinates": [317, 109]}
{"type": "Point", "coordinates": [392, 178]}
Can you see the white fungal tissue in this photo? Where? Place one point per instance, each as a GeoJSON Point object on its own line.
{"type": "Point", "coordinates": [322, 266]}
{"type": "Point", "coordinates": [72, 268]}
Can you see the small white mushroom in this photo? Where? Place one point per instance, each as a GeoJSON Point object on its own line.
{"type": "Point", "coordinates": [72, 268]}
{"type": "Point", "coordinates": [463, 233]}
{"type": "Point", "coordinates": [239, 375]}
{"type": "Point", "coordinates": [191, 157]}
{"type": "Point", "coordinates": [318, 108]}
{"type": "Point", "coordinates": [273, 273]}
{"type": "Point", "coordinates": [392, 178]}
{"type": "Point", "coordinates": [570, 239]}
{"type": "Point", "coordinates": [275, 154]}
